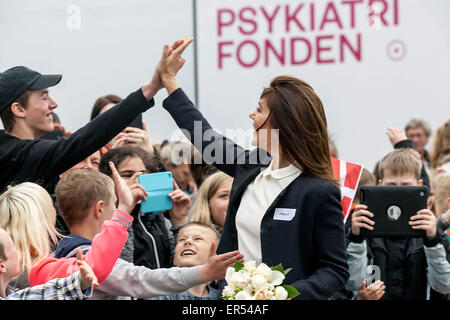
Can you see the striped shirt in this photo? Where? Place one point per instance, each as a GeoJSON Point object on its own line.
{"type": "Point", "coordinates": [57, 289]}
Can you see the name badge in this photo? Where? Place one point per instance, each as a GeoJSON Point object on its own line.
{"type": "Point", "coordinates": [284, 214]}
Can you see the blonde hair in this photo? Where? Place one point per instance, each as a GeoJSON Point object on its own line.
{"type": "Point", "coordinates": [400, 162]}
{"type": "Point", "coordinates": [200, 210]}
{"type": "Point", "coordinates": [177, 152]}
{"type": "Point", "coordinates": [78, 190]}
{"type": "Point", "coordinates": [441, 144]}
{"type": "Point", "coordinates": [442, 193]}
{"type": "Point", "coordinates": [2, 250]}
{"type": "Point", "coordinates": [28, 216]}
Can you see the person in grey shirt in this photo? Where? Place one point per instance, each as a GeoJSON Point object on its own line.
{"type": "Point", "coordinates": [195, 244]}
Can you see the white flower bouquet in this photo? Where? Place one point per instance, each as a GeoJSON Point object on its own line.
{"type": "Point", "coordinates": [250, 282]}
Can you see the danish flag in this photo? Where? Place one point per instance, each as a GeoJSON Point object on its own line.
{"type": "Point", "coordinates": [348, 175]}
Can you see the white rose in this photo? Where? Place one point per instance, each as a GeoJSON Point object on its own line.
{"type": "Point", "coordinates": [264, 270]}
{"type": "Point", "coordinates": [228, 291]}
{"type": "Point", "coordinates": [244, 295]}
{"type": "Point", "coordinates": [235, 278]}
{"type": "Point", "coordinates": [258, 281]}
{"type": "Point", "coordinates": [269, 292]}
{"type": "Point", "coordinates": [240, 279]}
{"type": "Point", "coordinates": [265, 293]}
{"type": "Point", "coordinates": [250, 267]}
{"type": "Point", "coordinates": [281, 293]}
{"type": "Point", "coordinates": [275, 278]}
{"type": "Point", "coordinates": [229, 273]}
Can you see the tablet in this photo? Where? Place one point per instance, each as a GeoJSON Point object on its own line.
{"type": "Point", "coordinates": [158, 185]}
{"type": "Point", "coordinates": [392, 207]}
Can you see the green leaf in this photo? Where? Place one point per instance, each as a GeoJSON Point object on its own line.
{"type": "Point", "coordinates": [287, 270]}
{"type": "Point", "coordinates": [292, 292]}
{"type": "Point", "coordinates": [278, 268]}
{"type": "Point", "coordinates": [238, 266]}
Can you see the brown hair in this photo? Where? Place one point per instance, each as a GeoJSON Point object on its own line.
{"type": "Point", "coordinates": [401, 161]}
{"type": "Point", "coordinates": [441, 144]}
{"type": "Point", "coordinates": [442, 193]}
{"type": "Point", "coordinates": [103, 101]}
{"type": "Point", "coordinates": [297, 112]}
{"type": "Point", "coordinates": [367, 179]}
{"type": "Point", "coordinates": [8, 117]}
{"type": "Point", "coordinates": [78, 190]}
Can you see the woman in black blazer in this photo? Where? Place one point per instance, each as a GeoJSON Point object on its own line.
{"type": "Point", "coordinates": [302, 227]}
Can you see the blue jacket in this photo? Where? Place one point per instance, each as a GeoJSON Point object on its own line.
{"type": "Point", "coordinates": [312, 243]}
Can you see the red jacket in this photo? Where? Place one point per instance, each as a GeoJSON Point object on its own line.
{"type": "Point", "coordinates": [105, 250]}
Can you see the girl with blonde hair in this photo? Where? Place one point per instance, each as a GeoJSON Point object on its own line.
{"type": "Point", "coordinates": [211, 204]}
{"type": "Point", "coordinates": [28, 215]}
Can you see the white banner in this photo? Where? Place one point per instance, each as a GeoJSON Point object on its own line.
{"type": "Point", "coordinates": [374, 63]}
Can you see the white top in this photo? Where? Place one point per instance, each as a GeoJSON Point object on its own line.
{"type": "Point", "coordinates": [255, 201]}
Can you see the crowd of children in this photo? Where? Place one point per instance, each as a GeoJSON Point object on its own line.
{"type": "Point", "coordinates": [71, 225]}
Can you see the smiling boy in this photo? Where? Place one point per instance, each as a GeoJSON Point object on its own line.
{"type": "Point", "coordinates": [407, 266]}
{"type": "Point", "coordinates": [26, 110]}
{"type": "Point", "coordinates": [196, 242]}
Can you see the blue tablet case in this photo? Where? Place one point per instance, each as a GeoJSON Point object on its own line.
{"type": "Point", "coordinates": [158, 185]}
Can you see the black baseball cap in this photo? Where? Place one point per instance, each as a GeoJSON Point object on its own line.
{"type": "Point", "coordinates": [15, 81]}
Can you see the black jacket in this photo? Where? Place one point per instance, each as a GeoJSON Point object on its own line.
{"type": "Point", "coordinates": [403, 263]}
{"type": "Point", "coordinates": [312, 243]}
{"type": "Point", "coordinates": [42, 161]}
{"type": "Point", "coordinates": [152, 237]}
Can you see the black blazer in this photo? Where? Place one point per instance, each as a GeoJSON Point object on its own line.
{"type": "Point", "coordinates": [312, 243]}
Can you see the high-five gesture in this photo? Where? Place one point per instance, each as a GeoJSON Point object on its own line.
{"type": "Point", "coordinates": [172, 61]}
{"type": "Point", "coordinates": [155, 84]}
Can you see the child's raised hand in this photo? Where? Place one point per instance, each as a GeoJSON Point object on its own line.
{"type": "Point", "coordinates": [424, 220]}
{"type": "Point", "coordinates": [181, 205]}
{"type": "Point", "coordinates": [217, 265]}
{"type": "Point", "coordinates": [124, 194]}
{"type": "Point", "coordinates": [396, 135]}
{"type": "Point", "coordinates": [361, 219]}
{"type": "Point", "coordinates": [87, 275]}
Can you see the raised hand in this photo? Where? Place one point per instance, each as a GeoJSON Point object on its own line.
{"type": "Point", "coordinates": [171, 61]}
{"type": "Point", "coordinates": [87, 275]}
{"type": "Point", "coordinates": [134, 137]}
{"type": "Point", "coordinates": [181, 206]}
{"type": "Point", "coordinates": [216, 266]}
{"type": "Point", "coordinates": [127, 200]}
{"type": "Point", "coordinates": [396, 135]}
{"type": "Point", "coordinates": [155, 84]}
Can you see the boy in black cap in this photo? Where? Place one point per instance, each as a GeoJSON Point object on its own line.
{"type": "Point", "coordinates": [26, 112]}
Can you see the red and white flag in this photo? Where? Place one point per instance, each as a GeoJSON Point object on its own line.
{"type": "Point", "coordinates": [348, 175]}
